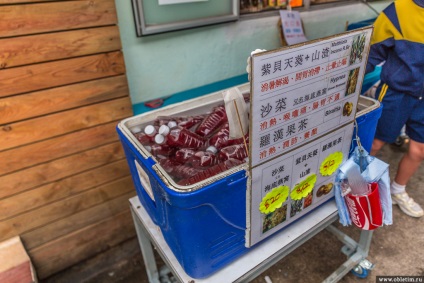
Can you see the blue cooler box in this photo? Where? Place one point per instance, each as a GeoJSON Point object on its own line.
{"type": "Point", "coordinates": [203, 224]}
{"type": "Point", "coordinates": [367, 115]}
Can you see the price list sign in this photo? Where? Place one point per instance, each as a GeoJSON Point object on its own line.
{"type": "Point", "coordinates": [301, 93]}
{"type": "Point", "coordinates": [303, 104]}
{"type": "Point", "coordinates": [287, 188]}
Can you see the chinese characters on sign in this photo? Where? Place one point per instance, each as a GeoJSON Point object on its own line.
{"type": "Point", "coordinates": [299, 171]}
{"type": "Point", "coordinates": [303, 104]}
{"type": "Point", "coordinates": [302, 93]}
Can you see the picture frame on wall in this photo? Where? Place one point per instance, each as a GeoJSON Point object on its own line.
{"type": "Point", "coordinates": [152, 17]}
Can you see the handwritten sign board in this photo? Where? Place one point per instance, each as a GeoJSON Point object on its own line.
{"type": "Point", "coordinates": [301, 93]}
{"type": "Point", "coordinates": [299, 172]}
{"type": "Point", "coordinates": [303, 104]}
{"type": "Point", "coordinates": [292, 29]}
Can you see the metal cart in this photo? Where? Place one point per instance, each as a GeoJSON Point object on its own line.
{"type": "Point", "coordinates": [256, 261]}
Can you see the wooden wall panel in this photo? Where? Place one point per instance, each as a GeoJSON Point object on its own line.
{"type": "Point", "coordinates": [44, 151]}
{"type": "Point", "coordinates": [20, 107]}
{"type": "Point", "coordinates": [82, 244]}
{"type": "Point", "coordinates": [64, 208]}
{"type": "Point", "coordinates": [19, 133]}
{"type": "Point", "coordinates": [18, 51]}
{"type": "Point", "coordinates": [23, 1]}
{"type": "Point", "coordinates": [64, 179]}
{"type": "Point", "coordinates": [61, 189]}
{"type": "Point", "coordinates": [46, 75]}
{"type": "Point", "coordinates": [64, 226]}
{"type": "Point", "coordinates": [27, 19]}
{"type": "Point", "coordinates": [57, 169]}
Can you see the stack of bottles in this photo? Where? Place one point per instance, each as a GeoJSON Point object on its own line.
{"type": "Point", "coordinates": [193, 148]}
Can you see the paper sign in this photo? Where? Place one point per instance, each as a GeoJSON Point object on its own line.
{"type": "Point", "coordinates": [302, 189]}
{"type": "Point", "coordinates": [274, 199]}
{"type": "Point", "coordinates": [303, 104]}
{"type": "Point", "coordinates": [298, 170]}
{"type": "Point", "coordinates": [299, 94]}
{"type": "Point", "coordinates": [331, 163]}
{"type": "Point", "coordinates": [291, 24]}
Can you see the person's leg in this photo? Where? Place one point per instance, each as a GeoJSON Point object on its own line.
{"type": "Point", "coordinates": [407, 167]}
{"type": "Point", "coordinates": [376, 146]}
{"type": "Point", "coordinates": [399, 110]}
{"type": "Point", "coordinates": [410, 162]}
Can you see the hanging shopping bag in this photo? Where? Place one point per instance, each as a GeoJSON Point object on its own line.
{"type": "Point", "coordinates": [372, 206]}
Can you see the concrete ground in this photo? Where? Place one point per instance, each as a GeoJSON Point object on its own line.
{"type": "Point", "coordinates": [395, 250]}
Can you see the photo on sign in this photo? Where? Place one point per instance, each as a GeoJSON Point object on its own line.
{"type": "Point", "coordinates": [274, 218]}
{"type": "Point", "coordinates": [352, 81]}
{"type": "Point", "coordinates": [324, 190]}
{"type": "Point", "coordinates": [308, 200]}
{"type": "Point", "coordinates": [296, 207]}
{"type": "Point", "coordinates": [347, 108]}
{"type": "Point", "coordinates": [358, 47]}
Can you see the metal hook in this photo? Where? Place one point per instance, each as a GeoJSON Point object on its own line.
{"type": "Point", "coordinates": [358, 140]}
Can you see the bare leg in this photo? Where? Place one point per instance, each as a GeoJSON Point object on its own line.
{"type": "Point", "coordinates": [410, 162]}
{"type": "Point", "coordinates": [376, 146]}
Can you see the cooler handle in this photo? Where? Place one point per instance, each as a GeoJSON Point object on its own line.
{"type": "Point", "coordinates": [144, 180]}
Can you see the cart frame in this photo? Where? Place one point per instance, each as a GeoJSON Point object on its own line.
{"type": "Point", "coordinates": [250, 265]}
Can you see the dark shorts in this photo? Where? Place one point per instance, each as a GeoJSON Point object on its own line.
{"type": "Point", "coordinates": [399, 109]}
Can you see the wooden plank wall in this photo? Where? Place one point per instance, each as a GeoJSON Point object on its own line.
{"type": "Point", "coordinates": [64, 181]}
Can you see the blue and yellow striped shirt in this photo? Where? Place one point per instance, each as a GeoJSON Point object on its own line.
{"type": "Point", "coordinates": [398, 39]}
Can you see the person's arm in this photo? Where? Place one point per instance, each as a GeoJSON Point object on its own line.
{"type": "Point", "coordinates": [383, 39]}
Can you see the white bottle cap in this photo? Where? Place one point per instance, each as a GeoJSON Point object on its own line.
{"type": "Point", "coordinates": [150, 130]}
{"type": "Point", "coordinates": [135, 129]}
{"type": "Point", "coordinates": [212, 149]}
{"type": "Point", "coordinates": [164, 130]}
{"type": "Point", "coordinates": [148, 148]}
{"type": "Point", "coordinates": [159, 139]}
{"type": "Point", "coordinates": [172, 124]}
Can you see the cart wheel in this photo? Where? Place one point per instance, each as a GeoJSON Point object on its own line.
{"type": "Point", "coordinates": [360, 272]}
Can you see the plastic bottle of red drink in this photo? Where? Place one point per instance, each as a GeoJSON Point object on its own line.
{"type": "Point", "coordinates": [184, 171]}
{"type": "Point", "coordinates": [177, 170]}
{"type": "Point", "coordinates": [239, 140]}
{"type": "Point", "coordinates": [143, 138]}
{"type": "Point", "coordinates": [160, 149]}
{"type": "Point", "coordinates": [205, 158]}
{"type": "Point", "coordinates": [172, 124]}
{"type": "Point", "coordinates": [184, 138]}
{"type": "Point", "coordinates": [185, 122]}
{"type": "Point", "coordinates": [184, 154]}
{"type": "Point", "coordinates": [236, 151]}
{"type": "Point", "coordinates": [163, 120]}
{"type": "Point", "coordinates": [136, 129]}
{"type": "Point", "coordinates": [151, 130]}
{"type": "Point", "coordinates": [220, 138]}
{"type": "Point", "coordinates": [146, 136]}
{"type": "Point", "coordinates": [168, 164]}
{"type": "Point", "coordinates": [163, 132]}
{"type": "Point", "coordinates": [212, 121]}
{"type": "Point", "coordinates": [188, 122]}
{"type": "Point", "coordinates": [211, 171]}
